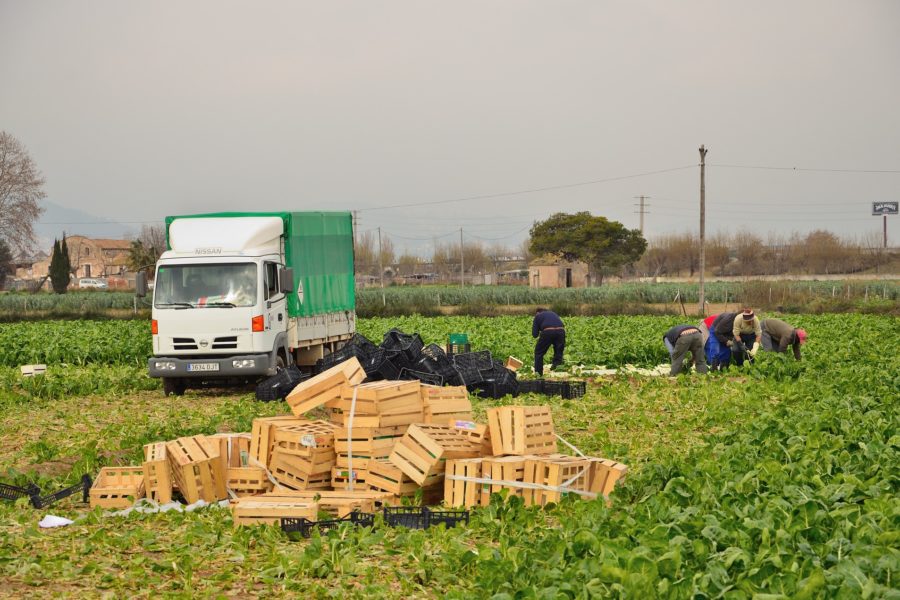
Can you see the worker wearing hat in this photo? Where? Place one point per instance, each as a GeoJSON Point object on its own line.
{"type": "Point", "coordinates": [747, 333]}
{"type": "Point", "coordinates": [778, 335]}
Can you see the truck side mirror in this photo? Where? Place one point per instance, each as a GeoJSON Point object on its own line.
{"type": "Point", "coordinates": [286, 280]}
{"type": "Point", "coordinates": [140, 284]}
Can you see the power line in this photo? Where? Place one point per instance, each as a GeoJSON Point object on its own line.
{"type": "Point", "coordinates": [528, 191]}
{"type": "Point", "coordinates": [814, 170]}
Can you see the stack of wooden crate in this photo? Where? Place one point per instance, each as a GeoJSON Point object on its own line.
{"type": "Point", "coordinates": [303, 455]}
{"type": "Point", "coordinates": [523, 460]}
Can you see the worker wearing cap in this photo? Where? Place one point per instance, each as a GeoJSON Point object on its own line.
{"type": "Point", "coordinates": [680, 340]}
{"type": "Point", "coordinates": [778, 335]}
{"type": "Point", "coordinates": [746, 333]}
{"type": "Point", "coordinates": [549, 330]}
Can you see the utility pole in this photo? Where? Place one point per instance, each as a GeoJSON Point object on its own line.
{"type": "Point", "coordinates": [462, 261]}
{"type": "Point", "coordinates": [642, 211]}
{"type": "Point", "coordinates": [703, 152]}
{"type": "Point", "coordinates": [381, 269]}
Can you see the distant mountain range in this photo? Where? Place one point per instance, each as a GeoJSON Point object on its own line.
{"type": "Point", "coordinates": [57, 220]}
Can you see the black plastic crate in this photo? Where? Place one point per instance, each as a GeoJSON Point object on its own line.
{"type": "Point", "coordinates": [470, 376]}
{"type": "Point", "coordinates": [14, 492]}
{"type": "Point", "coordinates": [439, 366]}
{"type": "Point", "coordinates": [380, 366]}
{"type": "Point", "coordinates": [412, 517]}
{"type": "Point", "coordinates": [305, 527]}
{"type": "Point", "coordinates": [84, 487]}
{"type": "Point", "coordinates": [410, 344]}
{"type": "Point", "coordinates": [480, 360]}
{"type": "Point", "coordinates": [494, 389]}
{"type": "Point", "coordinates": [449, 518]}
{"type": "Point", "coordinates": [534, 386]}
{"type": "Point", "coordinates": [361, 352]}
{"type": "Point", "coordinates": [435, 352]}
{"type": "Point", "coordinates": [280, 385]}
{"type": "Point", "coordinates": [429, 378]}
{"type": "Point", "coordinates": [574, 389]}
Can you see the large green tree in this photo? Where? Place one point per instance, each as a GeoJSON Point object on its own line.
{"type": "Point", "coordinates": [60, 266]}
{"type": "Point", "coordinates": [602, 244]}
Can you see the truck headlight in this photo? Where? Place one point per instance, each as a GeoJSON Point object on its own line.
{"type": "Point", "coordinates": [164, 365]}
{"type": "Point", "coordinates": [247, 363]}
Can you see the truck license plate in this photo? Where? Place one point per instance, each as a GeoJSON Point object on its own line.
{"type": "Point", "coordinates": [203, 367]}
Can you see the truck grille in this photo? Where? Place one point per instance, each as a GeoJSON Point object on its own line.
{"type": "Point", "coordinates": [225, 343]}
{"type": "Point", "coordinates": [184, 343]}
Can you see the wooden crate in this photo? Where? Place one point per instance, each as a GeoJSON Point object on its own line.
{"type": "Point", "coordinates": [503, 468]}
{"type": "Point", "coordinates": [234, 448]}
{"type": "Point", "coordinates": [463, 493]}
{"type": "Point", "coordinates": [605, 474]}
{"type": "Point", "coordinates": [262, 436]}
{"type": "Point", "coordinates": [479, 433]}
{"type": "Point", "coordinates": [513, 364]}
{"type": "Point", "coordinates": [247, 481]}
{"type": "Point", "coordinates": [254, 510]}
{"type": "Point", "coordinates": [157, 473]}
{"type": "Point", "coordinates": [382, 398]}
{"type": "Point", "coordinates": [305, 440]}
{"type": "Point", "coordinates": [325, 387]}
{"type": "Point", "coordinates": [521, 430]}
{"type": "Point", "coordinates": [385, 477]}
{"type": "Point", "coordinates": [554, 471]}
{"type": "Point", "coordinates": [300, 474]}
{"type": "Point", "coordinates": [367, 441]}
{"type": "Point", "coordinates": [443, 404]}
{"type": "Point", "coordinates": [423, 451]}
{"type": "Point", "coordinates": [337, 502]}
{"type": "Point", "coordinates": [340, 477]}
{"type": "Point", "coordinates": [117, 487]}
{"type": "Point", "coordinates": [197, 469]}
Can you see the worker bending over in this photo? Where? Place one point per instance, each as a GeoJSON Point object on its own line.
{"type": "Point", "coordinates": [680, 340]}
{"type": "Point", "coordinates": [549, 330]}
{"type": "Point", "coordinates": [739, 331]}
{"type": "Point", "coordinates": [778, 335]}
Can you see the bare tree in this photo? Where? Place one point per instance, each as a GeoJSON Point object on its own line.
{"type": "Point", "coordinates": [146, 249]}
{"type": "Point", "coordinates": [407, 264]}
{"type": "Point", "coordinates": [749, 250]}
{"type": "Point", "coordinates": [718, 254]}
{"type": "Point", "coordinates": [21, 187]}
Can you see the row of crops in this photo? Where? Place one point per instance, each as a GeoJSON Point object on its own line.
{"type": "Point", "coordinates": [610, 341]}
{"type": "Point", "coordinates": [771, 292]}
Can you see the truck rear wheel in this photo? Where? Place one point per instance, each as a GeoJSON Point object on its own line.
{"type": "Point", "coordinates": [173, 386]}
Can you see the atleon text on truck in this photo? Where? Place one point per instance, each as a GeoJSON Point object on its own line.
{"type": "Point", "coordinates": [239, 296]}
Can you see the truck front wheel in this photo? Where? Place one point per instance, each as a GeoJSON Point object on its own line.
{"type": "Point", "coordinates": [173, 386]}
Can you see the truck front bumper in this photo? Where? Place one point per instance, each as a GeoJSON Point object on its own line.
{"type": "Point", "coordinates": [210, 367]}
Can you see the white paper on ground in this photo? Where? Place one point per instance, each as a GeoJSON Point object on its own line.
{"type": "Point", "coordinates": [54, 521]}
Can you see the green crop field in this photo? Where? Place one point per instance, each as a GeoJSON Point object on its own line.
{"type": "Point", "coordinates": [775, 481]}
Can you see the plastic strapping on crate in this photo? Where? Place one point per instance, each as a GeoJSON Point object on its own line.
{"type": "Point", "coordinates": [351, 478]}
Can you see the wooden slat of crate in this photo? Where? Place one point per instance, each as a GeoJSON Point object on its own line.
{"type": "Point", "coordinates": [252, 510]}
{"type": "Point", "coordinates": [605, 474]}
{"type": "Point", "coordinates": [262, 436]}
{"type": "Point", "coordinates": [197, 469]}
{"type": "Point", "coordinates": [319, 462]}
{"type": "Point", "coordinates": [424, 449]}
{"type": "Point", "coordinates": [521, 430]}
{"type": "Point", "coordinates": [325, 386]}
{"type": "Point", "coordinates": [305, 440]}
{"type": "Point", "coordinates": [117, 487]}
{"type": "Point", "coordinates": [339, 502]}
{"type": "Point", "coordinates": [157, 473]}
{"type": "Point", "coordinates": [445, 403]}
{"type": "Point", "coordinates": [376, 421]}
{"type": "Point", "coordinates": [231, 446]}
{"type": "Point", "coordinates": [248, 481]}
{"type": "Point", "coordinates": [291, 471]}
{"type": "Point", "coordinates": [382, 398]}
{"type": "Point", "coordinates": [504, 468]}
{"type": "Point", "coordinates": [367, 440]}
{"type": "Point", "coordinates": [554, 472]}
{"type": "Point", "coordinates": [463, 493]}
{"type": "Point", "coordinates": [340, 476]}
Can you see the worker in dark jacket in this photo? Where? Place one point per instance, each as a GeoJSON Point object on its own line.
{"type": "Point", "coordinates": [739, 331]}
{"type": "Point", "coordinates": [778, 335]}
{"type": "Point", "coordinates": [549, 330]}
{"type": "Point", "coordinates": [680, 340]}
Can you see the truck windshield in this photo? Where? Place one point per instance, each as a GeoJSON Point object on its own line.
{"type": "Point", "coordinates": [209, 285]}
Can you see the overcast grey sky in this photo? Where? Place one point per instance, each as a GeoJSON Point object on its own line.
{"type": "Point", "coordinates": [137, 110]}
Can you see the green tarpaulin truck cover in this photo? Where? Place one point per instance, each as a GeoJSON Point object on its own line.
{"type": "Point", "coordinates": [319, 247]}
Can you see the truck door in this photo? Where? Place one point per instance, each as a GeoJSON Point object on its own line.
{"type": "Point", "coordinates": [276, 304]}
